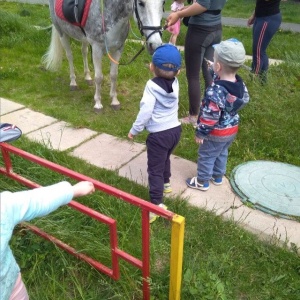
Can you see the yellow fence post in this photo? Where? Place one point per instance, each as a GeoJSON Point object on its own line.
{"type": "Point", "coordinates": [177, 239]}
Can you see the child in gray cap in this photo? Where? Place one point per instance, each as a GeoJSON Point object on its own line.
{"type": "Point", "coordinates": [218, 120]}
{"type": "Point", "coordinates": [159, 116]}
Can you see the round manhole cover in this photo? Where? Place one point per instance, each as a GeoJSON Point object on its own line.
{"type": "Point", "coordinates": [272, 187]}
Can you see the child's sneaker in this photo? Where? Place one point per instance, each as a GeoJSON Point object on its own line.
{"type": "Point", "coordinates": [194, 184]}
{"type": "Point", "coordinates": [167, 188]}
{"type": "Point", "coordinates": [217, 180]}
{"type": "Point", "coordinates": [153, 217]}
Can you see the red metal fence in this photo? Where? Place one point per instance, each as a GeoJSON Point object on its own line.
{"type": "Point", "coordinates": [116, 253]}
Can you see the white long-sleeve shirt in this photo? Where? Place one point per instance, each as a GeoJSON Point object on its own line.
{"type": "Point", "coordinates": [24, 206]}
{"type": "Point", "coordinates": [158, 107]}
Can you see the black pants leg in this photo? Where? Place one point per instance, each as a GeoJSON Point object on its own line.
{"type": "Point", "coordinates": [199, 43]}
{"type": "Point", "coordinates": [160, 146]}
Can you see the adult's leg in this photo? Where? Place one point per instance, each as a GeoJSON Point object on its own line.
{"type": "Point", "coordinates": [263, 31]}
{"type": "Point", "coordinates": [215, 38]}
{"type": "Point", "coordinates": [193, 54]}
{"type": "Point", "coordinates": [198, 39]}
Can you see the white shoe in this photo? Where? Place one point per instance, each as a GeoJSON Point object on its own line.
{"type": "Point", "coordinates": [153, 217]}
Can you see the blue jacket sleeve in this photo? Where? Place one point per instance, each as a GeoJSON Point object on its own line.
{"type": "Point", "coordinates": [27, 205]}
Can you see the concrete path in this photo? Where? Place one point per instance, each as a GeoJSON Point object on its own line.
{"type": "Point", "coordinates": [238, 22]}
{"type": "Point", "coordinates": [98, 149]}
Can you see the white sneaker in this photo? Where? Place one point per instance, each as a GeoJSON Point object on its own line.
{"type": "Point", "coordinates": [167, 188]}
{"type": "Point", "coordinates": [153, 217]}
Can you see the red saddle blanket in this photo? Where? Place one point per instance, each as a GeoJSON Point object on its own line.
{"type": "Point", "coordinates": [73, 11]}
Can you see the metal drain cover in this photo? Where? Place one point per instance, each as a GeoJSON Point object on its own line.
{"type": "Point", "coordinates": [272, 187]}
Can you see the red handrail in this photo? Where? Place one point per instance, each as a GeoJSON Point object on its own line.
{"type": "Point", "coordinates": [116, 253]}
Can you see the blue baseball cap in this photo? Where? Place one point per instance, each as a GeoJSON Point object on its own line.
{"type": "Point", "coordinates": [167, 55]}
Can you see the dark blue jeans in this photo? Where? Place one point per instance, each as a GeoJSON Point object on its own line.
{"type": "Point", "coordinates": [160, 146]}
{"type": "Point", "coordinates": [212, 159]}
{"type": "Point", "coordinates": [263, 30]}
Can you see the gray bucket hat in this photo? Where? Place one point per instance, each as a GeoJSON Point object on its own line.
{"type": "Point", "coordinates": [231, 52]}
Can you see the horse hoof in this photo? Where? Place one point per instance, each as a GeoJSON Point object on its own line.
{"type": "Point", "coordinates": [116, 107]}
{"type": "Point", "coordinates": [73, 88]}
{"type": "Point", "coordinates": [98, 110]}
{"type": "Point", "coordinates": [90, 82]}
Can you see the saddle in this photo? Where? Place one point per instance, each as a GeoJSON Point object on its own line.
{"type": "Point", "coordinates": [73, 11]}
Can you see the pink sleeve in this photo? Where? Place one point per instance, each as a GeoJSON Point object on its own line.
{"type": "Point", "coordinates": [174, 6]}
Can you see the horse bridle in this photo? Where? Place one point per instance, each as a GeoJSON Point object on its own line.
{"type": "Point", "coordinates": [141, 27]}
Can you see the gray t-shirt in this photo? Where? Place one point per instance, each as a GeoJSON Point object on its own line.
{"type": "Point", "coordinates": [213, 14]}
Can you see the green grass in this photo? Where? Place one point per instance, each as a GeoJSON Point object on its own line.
{"type": "Point", "coordinates": [243, 9]}
{"type": "Point", "coordinates": [24, 79]}
{"type": "Point", "coordinates": [221, 260]}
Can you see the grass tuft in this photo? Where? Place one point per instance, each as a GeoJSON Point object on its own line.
{"type": "Point", "coordinates": [221, 260]}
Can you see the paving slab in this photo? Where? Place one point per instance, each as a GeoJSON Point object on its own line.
{"type": "Point", "coordinates": [217, 199]}
{"type": "Point", "coordinates": [108, 152]}
{"type": "Point", "coordinates": [130, 159]}
{"type": "Point", "coordinates": [136, 170]}
{"type": "Point", "coordinates": [265, 226]}
{"type": "Point", "coordinates": [239, 22]}
{"type": "Point", "coordinates": [181, 169]}
{"type": "Point", "coordinates": [61, 136]}
{"type": "Point", "coordinates": [7, 106]}
{"type": "Point", "coordinates": [28, 120]}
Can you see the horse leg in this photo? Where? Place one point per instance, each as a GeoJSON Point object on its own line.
{"type": "Point", "coordinates": [65, 41]}
{"type": "Point", "coordinates": [97, 61]}
{"type": "Point", "coordinates": [115, 104]}
{"type": "Point", "coordinates": [87, 72]}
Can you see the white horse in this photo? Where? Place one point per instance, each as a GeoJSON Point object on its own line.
{"type": "Point", "coordinates": [105, 29]}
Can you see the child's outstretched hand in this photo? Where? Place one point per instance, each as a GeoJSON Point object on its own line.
{"type": "Point", "coordinates": [172, 19]}
{"type": "Point", "coordinates": [83, 188]}
{"type": "Point", "coordinates": [210, 63]}
{"type": "Point", "coordinates": [198, 141]}
{"type": "Point", "coordinates": [130, 136]}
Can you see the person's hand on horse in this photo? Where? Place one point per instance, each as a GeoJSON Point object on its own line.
{"type": "Point", "coordinates": [172, 18]}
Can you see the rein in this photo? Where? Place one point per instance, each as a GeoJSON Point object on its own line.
{"type": "Point", "coordinates": [141, 27]}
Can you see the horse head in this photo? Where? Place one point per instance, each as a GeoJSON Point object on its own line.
{"type": "Point", "coordinates": [148, 15]}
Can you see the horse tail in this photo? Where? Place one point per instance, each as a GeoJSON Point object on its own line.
{"type": "Point", "coordinates": [52, 59]}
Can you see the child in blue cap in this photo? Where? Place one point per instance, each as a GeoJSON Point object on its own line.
{"type": "Point", "coordinates": [159, 116]}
